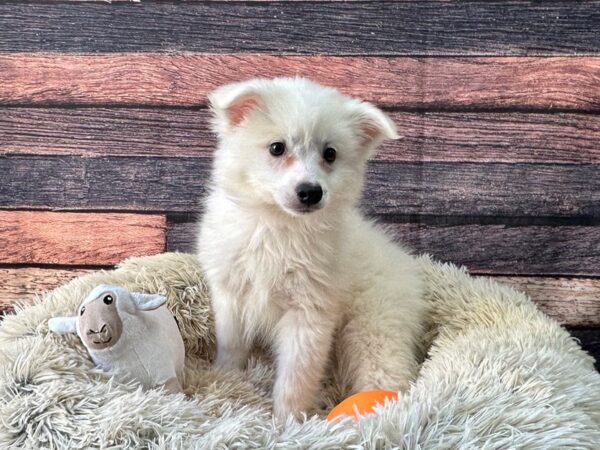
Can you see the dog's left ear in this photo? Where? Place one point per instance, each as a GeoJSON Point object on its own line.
{"type": "Point", "coordinates": [233, 103]}
{"type": "Point", "coordinates": [374, 126]}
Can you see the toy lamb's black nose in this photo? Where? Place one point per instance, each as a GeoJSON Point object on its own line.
{"type": "Point", "coordinates": [309, 194]}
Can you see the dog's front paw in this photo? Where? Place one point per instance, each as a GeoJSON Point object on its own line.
{"type": "Point", "coordinates": [283, 412]}
{"type": "Point", "coordinates": [288, 404]}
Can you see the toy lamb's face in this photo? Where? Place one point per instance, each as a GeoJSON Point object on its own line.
{"type": "Point", "coordinates": [99, 320]}
{"type": "Point", "coordinates": [99, 324]}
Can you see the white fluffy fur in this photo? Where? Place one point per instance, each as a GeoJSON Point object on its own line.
{"type": "Point", "coordinates": [499, 375]}
{"type": "Point", "coordinates": [296, 280]}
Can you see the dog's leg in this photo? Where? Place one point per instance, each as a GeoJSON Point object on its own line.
{"type": "Point", "coordinates": [302, 347]}
{"type": "Point", "coordinates": [232, 349]}
{"type": "Point", "coordinates": [377, 348]}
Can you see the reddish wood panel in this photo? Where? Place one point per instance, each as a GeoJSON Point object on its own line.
{"type": "Point", "coordinates": [78, 238]}
{"type": "Point", "coordinates": [24, 283]}
{"type": "Point", "coordinates": [570, 301]}
{"type": "Point", "coordinates": [439, 136]}
{"type": "Point", "coordinates": [185, 79]}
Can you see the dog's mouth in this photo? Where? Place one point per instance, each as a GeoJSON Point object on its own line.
{"type": "Point", "coordinates": [101, 342]}
{"type": "Point", "coordinates": [302, 210]}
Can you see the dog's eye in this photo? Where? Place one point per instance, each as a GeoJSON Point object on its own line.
{"type": "Point", "coordinates": [82, 310]}
{"type": "Point", "coordinates": [277, 148]}
{"type": "Point", "coordinates": [329, 154]}
{"type": "Point", "coordinates": [108, 300]}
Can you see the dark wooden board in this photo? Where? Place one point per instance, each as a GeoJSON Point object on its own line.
{"type": "Point", "coordinates": [476, 137]}
{"type": "Point", "coordinates": [42, 237]}
{"type": "Point", "coordinates": [483, 249]}
{"type": "Point", "coordinates": [175, 184]}
{"type": "Point", "coordinates": [501, 249]}
{"type": "Point", "coordinates": [488, 189]}
{"type": "Point", "coordinates": [590, 340]}
{"type": "Point", "coordinates": [390, 28]}
{"type": "Point", "coordinates": [542, 83]}
{"type": "Point", "coordinates": [181, 236]}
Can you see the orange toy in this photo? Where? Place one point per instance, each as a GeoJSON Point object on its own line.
{"type": "Point", "coordinates": [358, 405]}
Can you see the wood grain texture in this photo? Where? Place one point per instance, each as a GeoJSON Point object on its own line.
{"type": "Point", "coordinates": [546, 83]}
{"type": "Point", "coordinates": [590, 341]}
{"type": "Point", "coordinates": [570, 301]}
{"type": "Point", "coordinates": [393, 28]}
{"type": "Point", "coordinates": [473, 189]}
{"type": "Point", "coordinates": [25, 283]}
{"type": "Point", "coordinates": [500, 249]}
{"type": "Point", "coordinates": [483, 249]}
{"type": "Point", "coordinates": [106, 131]}
{"type": "Point", "coordinates": [37, 237]}
{"type": "Point", "coordinates": [475, 137]}
{"type": "Point", "coordinates": [176, 184]}
{"type": "Point", "coordinates": [181, 236]}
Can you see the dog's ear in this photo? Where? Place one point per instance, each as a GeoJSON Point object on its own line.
{"type": "Point", "coordinates": [373, 125]}
{"type": "Point", "coordinates": [232, 103]}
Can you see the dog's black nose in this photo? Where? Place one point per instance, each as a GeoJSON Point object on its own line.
{"type": "Point", "coordinates": [309, 194]}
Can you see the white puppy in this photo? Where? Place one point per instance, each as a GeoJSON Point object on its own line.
{"type": "Point", "coordinates": [289, 259]}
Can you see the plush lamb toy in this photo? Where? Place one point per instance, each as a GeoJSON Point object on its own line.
{"type": "Point", "coordinates": [129, 333]}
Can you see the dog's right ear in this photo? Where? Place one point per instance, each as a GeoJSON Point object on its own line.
{"type": "Point", "coordinates": [233, 103]}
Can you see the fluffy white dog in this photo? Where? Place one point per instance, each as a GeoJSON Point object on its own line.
{"type": "Point", "coordinates": [289, 259]}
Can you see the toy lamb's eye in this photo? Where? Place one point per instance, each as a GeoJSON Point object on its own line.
{"type": "Point", "coordinates": [108, 300]}
{"type": "Point", "coordinates": [329, 154]}
{"type": "Point", "coordinates": [277, 148]}
{"type": "Point", "coordinates": [82, 310]}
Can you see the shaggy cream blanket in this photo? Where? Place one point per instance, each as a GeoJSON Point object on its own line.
{"type": "Point", "coordinates": [498, 375]}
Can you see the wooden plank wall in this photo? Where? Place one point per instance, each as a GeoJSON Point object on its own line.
{"type": "Point", "coordinates": [105, 149]}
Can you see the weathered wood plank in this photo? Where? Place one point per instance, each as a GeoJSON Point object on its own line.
{"type": "Point", "coordinates": [590, 341]}
{"type": "Point", "coordinates": [500, 249]}
{"type": "Point", "coordinates": [570, 301]}
{"type": "Point", "coordinates": [475, 189]}
{"type": "Point", "coordinates": [181, 236]}
{"type": "Point", "coordinates": [102, 131]}
{"type": "Point", "coordinates": [38, 237]}
{"type": "Point", "coordinates": [483, 249]}
{"type": "Point", "coordinates": [176, 184]}
{"type": "Point", "coordinates": [24, 283]}
{"type": "Point", "coordinates": [547, 83]}
{"type": "Point", "coordinates": [481, 137]}
{"type": "Point", "coordinates": [486, 137]}
{"type": "Point", "coordinates": [408, 27]}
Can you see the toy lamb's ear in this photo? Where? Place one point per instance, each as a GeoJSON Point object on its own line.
{"type": "Point", "coordinates": [232, 103]}
{"type": "Point", "coordinates": [63, 325]}
{"type": "Point", "coordinates": [147, 302]}
{"type": "Point", "coordinates": [374, 126]}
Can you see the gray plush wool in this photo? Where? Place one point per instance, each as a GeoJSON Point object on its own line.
{"type": "Point", "coordinates": [499, 374]}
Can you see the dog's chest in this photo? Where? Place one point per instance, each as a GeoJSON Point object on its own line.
{"type": "Point", "coordinates": [278, 269]}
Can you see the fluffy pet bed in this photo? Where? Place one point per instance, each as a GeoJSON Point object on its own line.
{"type": "Point", "coordinates": [499, 374]}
